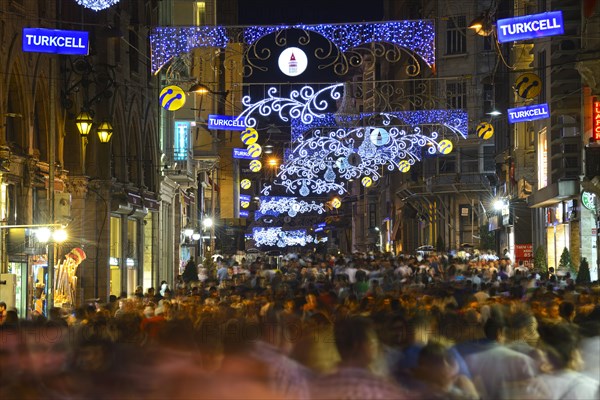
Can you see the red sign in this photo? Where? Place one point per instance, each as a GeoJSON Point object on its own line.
{"type": "Point", "coordinates": [524, 252]}
{"type": "Point", "coordinates": [596, 120]}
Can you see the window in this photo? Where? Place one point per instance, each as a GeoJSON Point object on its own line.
{"type": "Point", "coordinates": [456, 35]}
{"type": "Point", "coordinates": [448, 164]}
{"type": "Point", "coordinates": [489, 162]}
{"type": "Point", "coordinates": [200, 13]}
{"type": "Point", "coordinates": [456, 95]}
{"type": "Point", "coordinates": [469, 160]}
{"type": "Point", "coordinates": [133, 52]}
{"type": "Point", "coordinates": [541, 64]}
{"type": "Point", "coordinates": [372, 215]}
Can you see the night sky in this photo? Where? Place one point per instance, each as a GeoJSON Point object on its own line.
{"type": "Point", "coordinates": [273, 12]}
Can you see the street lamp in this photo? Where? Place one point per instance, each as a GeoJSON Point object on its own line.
{"type": "Point", "coordinates": [84, 125]}
{"type": "Point", "coordinates": [200, 88]}
{"type": "Point", "coordinates": [105, 131]}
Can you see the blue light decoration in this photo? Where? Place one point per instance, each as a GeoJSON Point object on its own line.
{"type": "Point", "coordinates": [276, 236]}
{"type": "Point", "coordinates": [97, 5]}
{"type": "Point", "coordinates": [530, 26]}
{"type": "Point", "coordinates": [418, 36]}
{"type": "Point", "coordinates": [290, 205]}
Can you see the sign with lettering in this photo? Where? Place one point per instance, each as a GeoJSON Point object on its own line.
{"type": "Point", "coordinates": [596, 120]}
{"type": "Point", "coordinates": [530, 26]}
{"type": "Point", "coordinates": [528, 113]}
{"type": "Point", "coordinates": [226, 122]}
{"type": "Point", "coordinates": [524, 252]}
{"type": "Point", "coordinates": [242, 154]}
{"type": "Point", "coordinates": [39, 40]}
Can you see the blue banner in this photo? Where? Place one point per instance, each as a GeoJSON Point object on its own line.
{"type": "Point", "coordinates": [245, 197]}
{"type": "Point", "coordinates": [530, 26]}
{"type": "Point", "coordinates": [528, 113]}
{"type": "Point", "coordinates": [245, 214]}
{"type": "Point", "coordinates": [39, 40]}
{"type": "Point", "coordinates": [242, 154]}
{"type": "Point", "coordinates": [226, 122]}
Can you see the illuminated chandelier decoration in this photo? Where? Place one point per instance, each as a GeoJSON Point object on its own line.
{"type": "Point", "coordinates": [278, 237]}
{"type": "Point", "coordinates": [97, 5]}
{"type": "Point", "coordinates": [347, 43]}
{"type": "Point", "coordinates": [290, 205]}
{"type": "Point", "coordinates": [321, 162]}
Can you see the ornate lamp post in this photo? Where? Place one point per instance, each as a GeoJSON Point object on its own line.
{"type": "Point", "coordinates": [84, 126]}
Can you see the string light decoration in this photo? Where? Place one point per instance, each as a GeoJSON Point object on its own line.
{"type": "Point", "coordinates": [97, 5]}
{"type": "Point", "coordinates": [290, 205]}
{"type": "Point", "coordinates": [417, 36]}
{"type": "Point", "coordinates": [330, 155]}
{"type": "Point", "coordinates": [276, 236]}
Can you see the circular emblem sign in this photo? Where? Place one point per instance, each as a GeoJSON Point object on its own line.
{"type": "Point", "coordinates": [172, 98]}
{"type": "Point", "coordinates": [404, 166]}
{"type": "Point", "coordinates": [485, 130]}
{"type": "Point", "coordinates": [379, 137]}
{"type": "Point", "coordinates": [255, 150]}
{"type": "Point", "coordinates": [588, 200]}
{"type": "Point", "coordinates": [336, 202]}
{"type": "Point", "coordinates": [445, 146]}
{"type": "Point", "coordinates": [528, 85]}
{"type": "Point", "coordinates": [249, 136]}
{"type": "Point", "coordinates": [245, 204]}
{"type": "Point", "coordinates": [255, 165]}
{"type": "Point", "coordinates": [245, 183]}
{"type": "Point", "coordinates": [366, 181]}
{"type": "Point", "coordinates": [293, 61]}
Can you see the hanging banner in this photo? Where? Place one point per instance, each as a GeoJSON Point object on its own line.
{"type": "Point", "coordinates": [226, 122]}
{"type": "Point", "coordinates": [530, 26]}
{"type": "Point", "coordinates": [242, 154]}
{"type": "Point", "coordinates": [39, 40]}
{"type": "Point", "coordinates": [528, 113]}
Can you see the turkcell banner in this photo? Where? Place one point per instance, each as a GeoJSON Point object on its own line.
{"type": "Point", "coordinates": [244, 214]}
{"type": "Point", "coordinates": [39, 40]}
{"type": "Point", "coordinates": [530, 26]}
{"type": "Point", "coordinates": [245, 197]}
{"type": "Point", "coordinates": [226, 122]}
{"type": "Point", "coordinates": [528, 113]}
{"type": "Point", "coordinates": [242, 154]}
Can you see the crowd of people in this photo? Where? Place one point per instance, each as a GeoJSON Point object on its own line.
{"type": "Point", "coordinates": [362, 326]}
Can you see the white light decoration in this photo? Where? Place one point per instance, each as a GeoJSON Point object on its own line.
{"type": "Point", "coordinates": [277, 237]}
{"type": "Point", "coordinates": [289, 205]}
{"type": "Point", "coordinates": [97, 5]}
{"type": "Point", "coordinates": [323, 159]}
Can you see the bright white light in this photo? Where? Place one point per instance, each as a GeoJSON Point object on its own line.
{"type": "Point", "coordinates": [207, 222]}
{"type": "Point", "coordinates": [495, 113]}
{"type": "Point", "coordinates": [498, 204]}
{"type": "Point", "coordinates": [59, 235]}
{"type": "Point", "coordinates": [188, 232]}
{"type": "Point", "coordinates": [43, 235]}
{"type": "Point", "coordinates": [196, 236]}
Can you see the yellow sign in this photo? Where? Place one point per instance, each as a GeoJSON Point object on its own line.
{"type": "Point", "coordinates": [254, 150]}
{"type": "Point", "coordinates": [249, 136]}
{"type": "Point", "coordinates": [404, 166]}
{"type": "Point", "coordinates": [445, 146]}
{"type": "Point", "coordinates": [255, 165]}
{"type": "Point", "coordinates": [172, 98]}
{"type": "Point", "coordinates": [245, 204]}
{"type": "Point", "coordinates": [484, 130]}
{"type": "Point", "coordinates": [366, 181]}
{"type": "Point", "coordinates": [245, 183]}
{"type": "Point", "coordinates": [528, 85]}
{"type": "Point", "coordinates": [336, 202]}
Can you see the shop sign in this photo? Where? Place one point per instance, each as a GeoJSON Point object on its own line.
{"type": "Point", "coordinates": [524, 252]}
{"type": "Point", "coordinates": [292, 61]}
{"type": "Point", "coordinates": [530, 26]}
{"type": "Point", "coordinates": [181, 145]}
{"type": "Point", "coordinates": [39, 40]}
{"type": "Point", "coordinates": [528, 113]}
{"type": "Point", "coordinates": [226, 122]}
{"type": "Point", "coordinates": [244, 214]}
{"type": "Point", "coordinates": [596, 120]}
{"type": "Point", "coordinates": [245, 197]}
{"type": "Point", "coordinates": [242, 154]}
{"type": "Point", "coordinates": [588, 200]}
